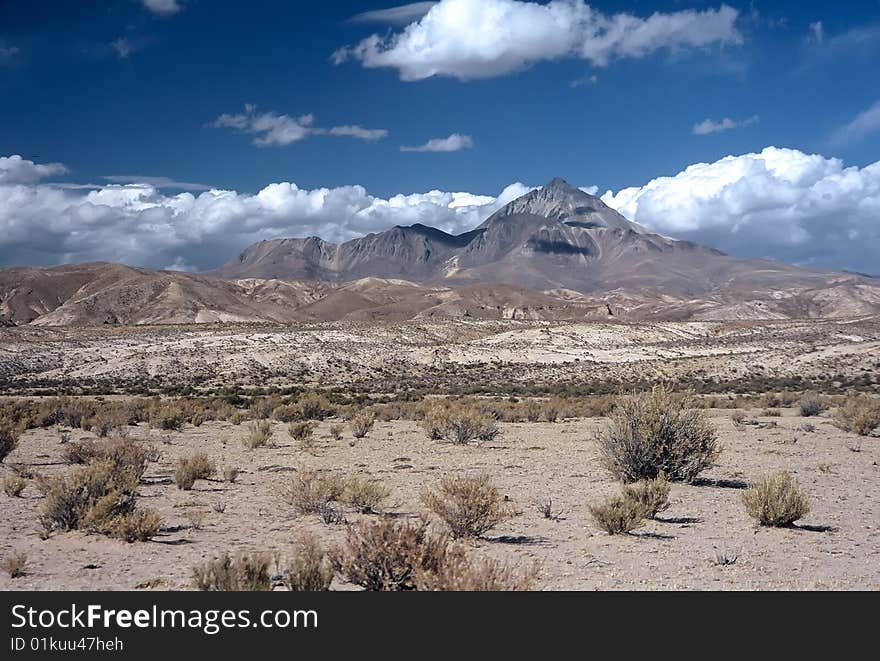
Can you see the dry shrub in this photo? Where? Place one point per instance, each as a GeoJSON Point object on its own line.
{"type": "Point", "coordinates": [92, 498]}
{"type": "Point", "coordinates": [259, 433]}
{"type": "Point", "coordinates": [470, 506]}
{"type": "Point", "coordinates": [466, 574]}
{"type": "Point", "coordinates": [310, 492]}
{"type": "Point", "coordinates": [245, 573]}
{"type": "Point", "coordinates": [651, 495]}
{"type": "Point", "coordinates": [8, 441]}
{"type": "Point", "coordinates": [336, 431]}
{"type": "Point", "coordinates": [618, 514]}
{"type": "Point", "coordinates": [168, 416]}
{"type": "Point", "coordinates": [262, 408]}
{"type": "Point", "coordinates": [230, 474]}
{"type": "Point", "coordinates": [123, 452]}
{"type": "Point", "coordinates": [459, 424]}
{"type": "Point", "coordinates": [14, 485]}
{"type": "Point", "coordinates": [15, 565]}
{"type": "Point", "coordinates": [776, 500]}
{"type": "Point", "coordinates": [310, 569]}
{"type": "Point", "coordinates": [139, 526]}
{"type": "Point", "coordinates": [366, 496]}
{"type": "Point", "coordinates": [388, 555]}
{"type": "Point", "coordinates": [303, 432]}
{"type": "Point", "coordinates": [659, 432]}
{"type": "Point", "coordinates": [361, 424]}
{"type": "Point", "coordinates": [197, 466]}
{"type": "Point", "coordinates": [738, 417]}
{"type": "Point", "coordinates": [313, 406]}
{"type": "Point", "coordinates": [859, 414]}
{"type": "Point", "coordinates": [810, 405]}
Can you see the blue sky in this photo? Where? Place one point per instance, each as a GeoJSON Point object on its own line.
{"type": "Point", "coordinates": [134, 88]}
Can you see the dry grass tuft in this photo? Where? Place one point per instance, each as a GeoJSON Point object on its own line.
{"type": "Point", "coordinates": [776, 500]}
{"type": "Point", "coordinates": [310, 569]}
{"type": "Point", "coordinates": [14, 485]}
{"type": "Point", "coordinates": [15, 565]}
{"type": "Point", "coordinates": [139, 526]}
{"type": "Point", "coordinates": [8, 441]}
{"type": "Point", "coordinates": [361, 424]}
{"type": "Point", "coordinates": [859, 414]}
{"type": "Point", "coordinates": [198, 466]}
{"type": "Point", "coordinates": [459, 424]}
{"type": "Point", "coordinates": [259, 433]}
{"type": "Point", "coordinates": [651, 495]}
{"type": "Point", "coordinates": [310, 492]}
{"type": "Point", "coordinates": [470, 506]}
{"type": "Point", "coordinates": [618, 514]}
{"type": "Point", "coordinates": [658, 432]}
{"type": "Point", "coordinates": [461, 573]}
{"type": "Point", "coordinates": [364, 495]}
{"type": "Point", "coordinates": [244, 573]}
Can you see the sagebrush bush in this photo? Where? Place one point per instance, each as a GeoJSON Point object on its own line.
{"type": "Point", "coordinates": [247, 572]}
{"type": "Point", "coordinates": [8, 441]}
{"type": "Point", "coordinates": [618, 514]}
{"type": "Point", "coordinates": [859, 414]}
{"type": "Point", "coordinates": [230, 474]}
{"type": "Point", "coordinates": [810, 405]}
{"type": "Point", "coordinates": [460, 424]}
{"type": "Point", "coordinates": [657, 432]}
{"type": "Point", "coordinates": [336, 431]}
{"type": "Point", "coordinates": [365, 495]}
{"type": "Point", "coordinates": [309, 492]}
{"type": "Point", "coordinates": [391, 555]}
{"type": "Point", "coordinates": [123, 452]}
{"type": "Point", "coordinates": [197, 466]}
{"type": "Point", "coordinates": [259, 433]}
{"type": "Point", "coordinates": [138, 526]}
{"type": "Point", "coordinates": [301, 431]}
{"type": "Point", "coordinates": [361, 424]}
{"type": "Point", "coordinates": [776, 500]}
{"type": "Point", "coordinates": [463, 573]}
{"type": "Point", "coordinates": [651, 495]}
{"type": "Point", "coordinates": [15, 565]}
{"type": "Point", "coordinates": [14, 485]}
{"type": "Point", "coordinates": [92, 498]}
{"type": "Point", "coordinates": [470, 506]}
{"type": "Point", "coordinates": [310, 569]}
{"type": "Point", "coordinates": [313, 406]}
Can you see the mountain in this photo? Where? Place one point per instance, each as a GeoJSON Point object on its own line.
{"type": "Point", "coordinates": [553, 253]}
{"type": "Point", "coordinates": [557, 236]}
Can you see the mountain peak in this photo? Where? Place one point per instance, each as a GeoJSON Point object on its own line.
{"type": "Point", "coordinates": [559, 184]}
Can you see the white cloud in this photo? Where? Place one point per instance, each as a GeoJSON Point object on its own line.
{"type": "Point", "coordinates": [155, 182]}
{"type": "Point", "coordinates": [708, 126]}
{"type": "Point", "coordinates": [7, 52]}
{"type": "Point", "coordinates": [360, 132]}
{"type": "Point", "coordinates": [122, 46]}
{"type": "Point", "coordinates": [273, 129]}
{"type": "Point", "coordinates": [863, 125]}
{"type": "Point", "coordinates": [164, 7]}
{"type": "Point", "coordinates": [17, 170]}
{"type": "Point", "coordinates": [470, 39]}
{"type": "Point", "coordinates": [817, 32]}
{"type": "Point", "coordinates": [137, 224]}
{"type": "Point", "coordinates": [780, 203]}
{"type": "Point", "coordinates": [400, 15]}
{"type": "Point", "coordinates": [454, 142]}
{"type": "Point", "coordinates": [586, 80]}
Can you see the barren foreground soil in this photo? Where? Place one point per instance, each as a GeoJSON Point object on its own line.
{"type": "Point", "coordinates": [836, 546]}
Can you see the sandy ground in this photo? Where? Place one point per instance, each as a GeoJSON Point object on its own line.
{"type": "Point", "coordinates": [837, 545]}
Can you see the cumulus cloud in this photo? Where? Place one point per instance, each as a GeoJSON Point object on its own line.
{"type": "Point", "coordinates": [163, 7]}
{"type": "Point", "coordinates": [817, 32]}
{"type": "Point", "coordinates": [455, 142]}
{"type": "Point", "coordinates": [400, 15]}
{"type": "Point", "coordinates": [137, 224]}
{"type": "Point", "coordinates": [708, 126]}
{"type": "Point", "coordinates": [863, 125]}
{"type": "Point", "coordinates": [779, 203]}
{"type": "Point", "coordinates": [17, 170]}
{"type": "Point", "coordinates": [272, 129]}
{"type": "Point", "coordinates": [155, 182]}
{"type": "Point", "coordinates": [469, 39]}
